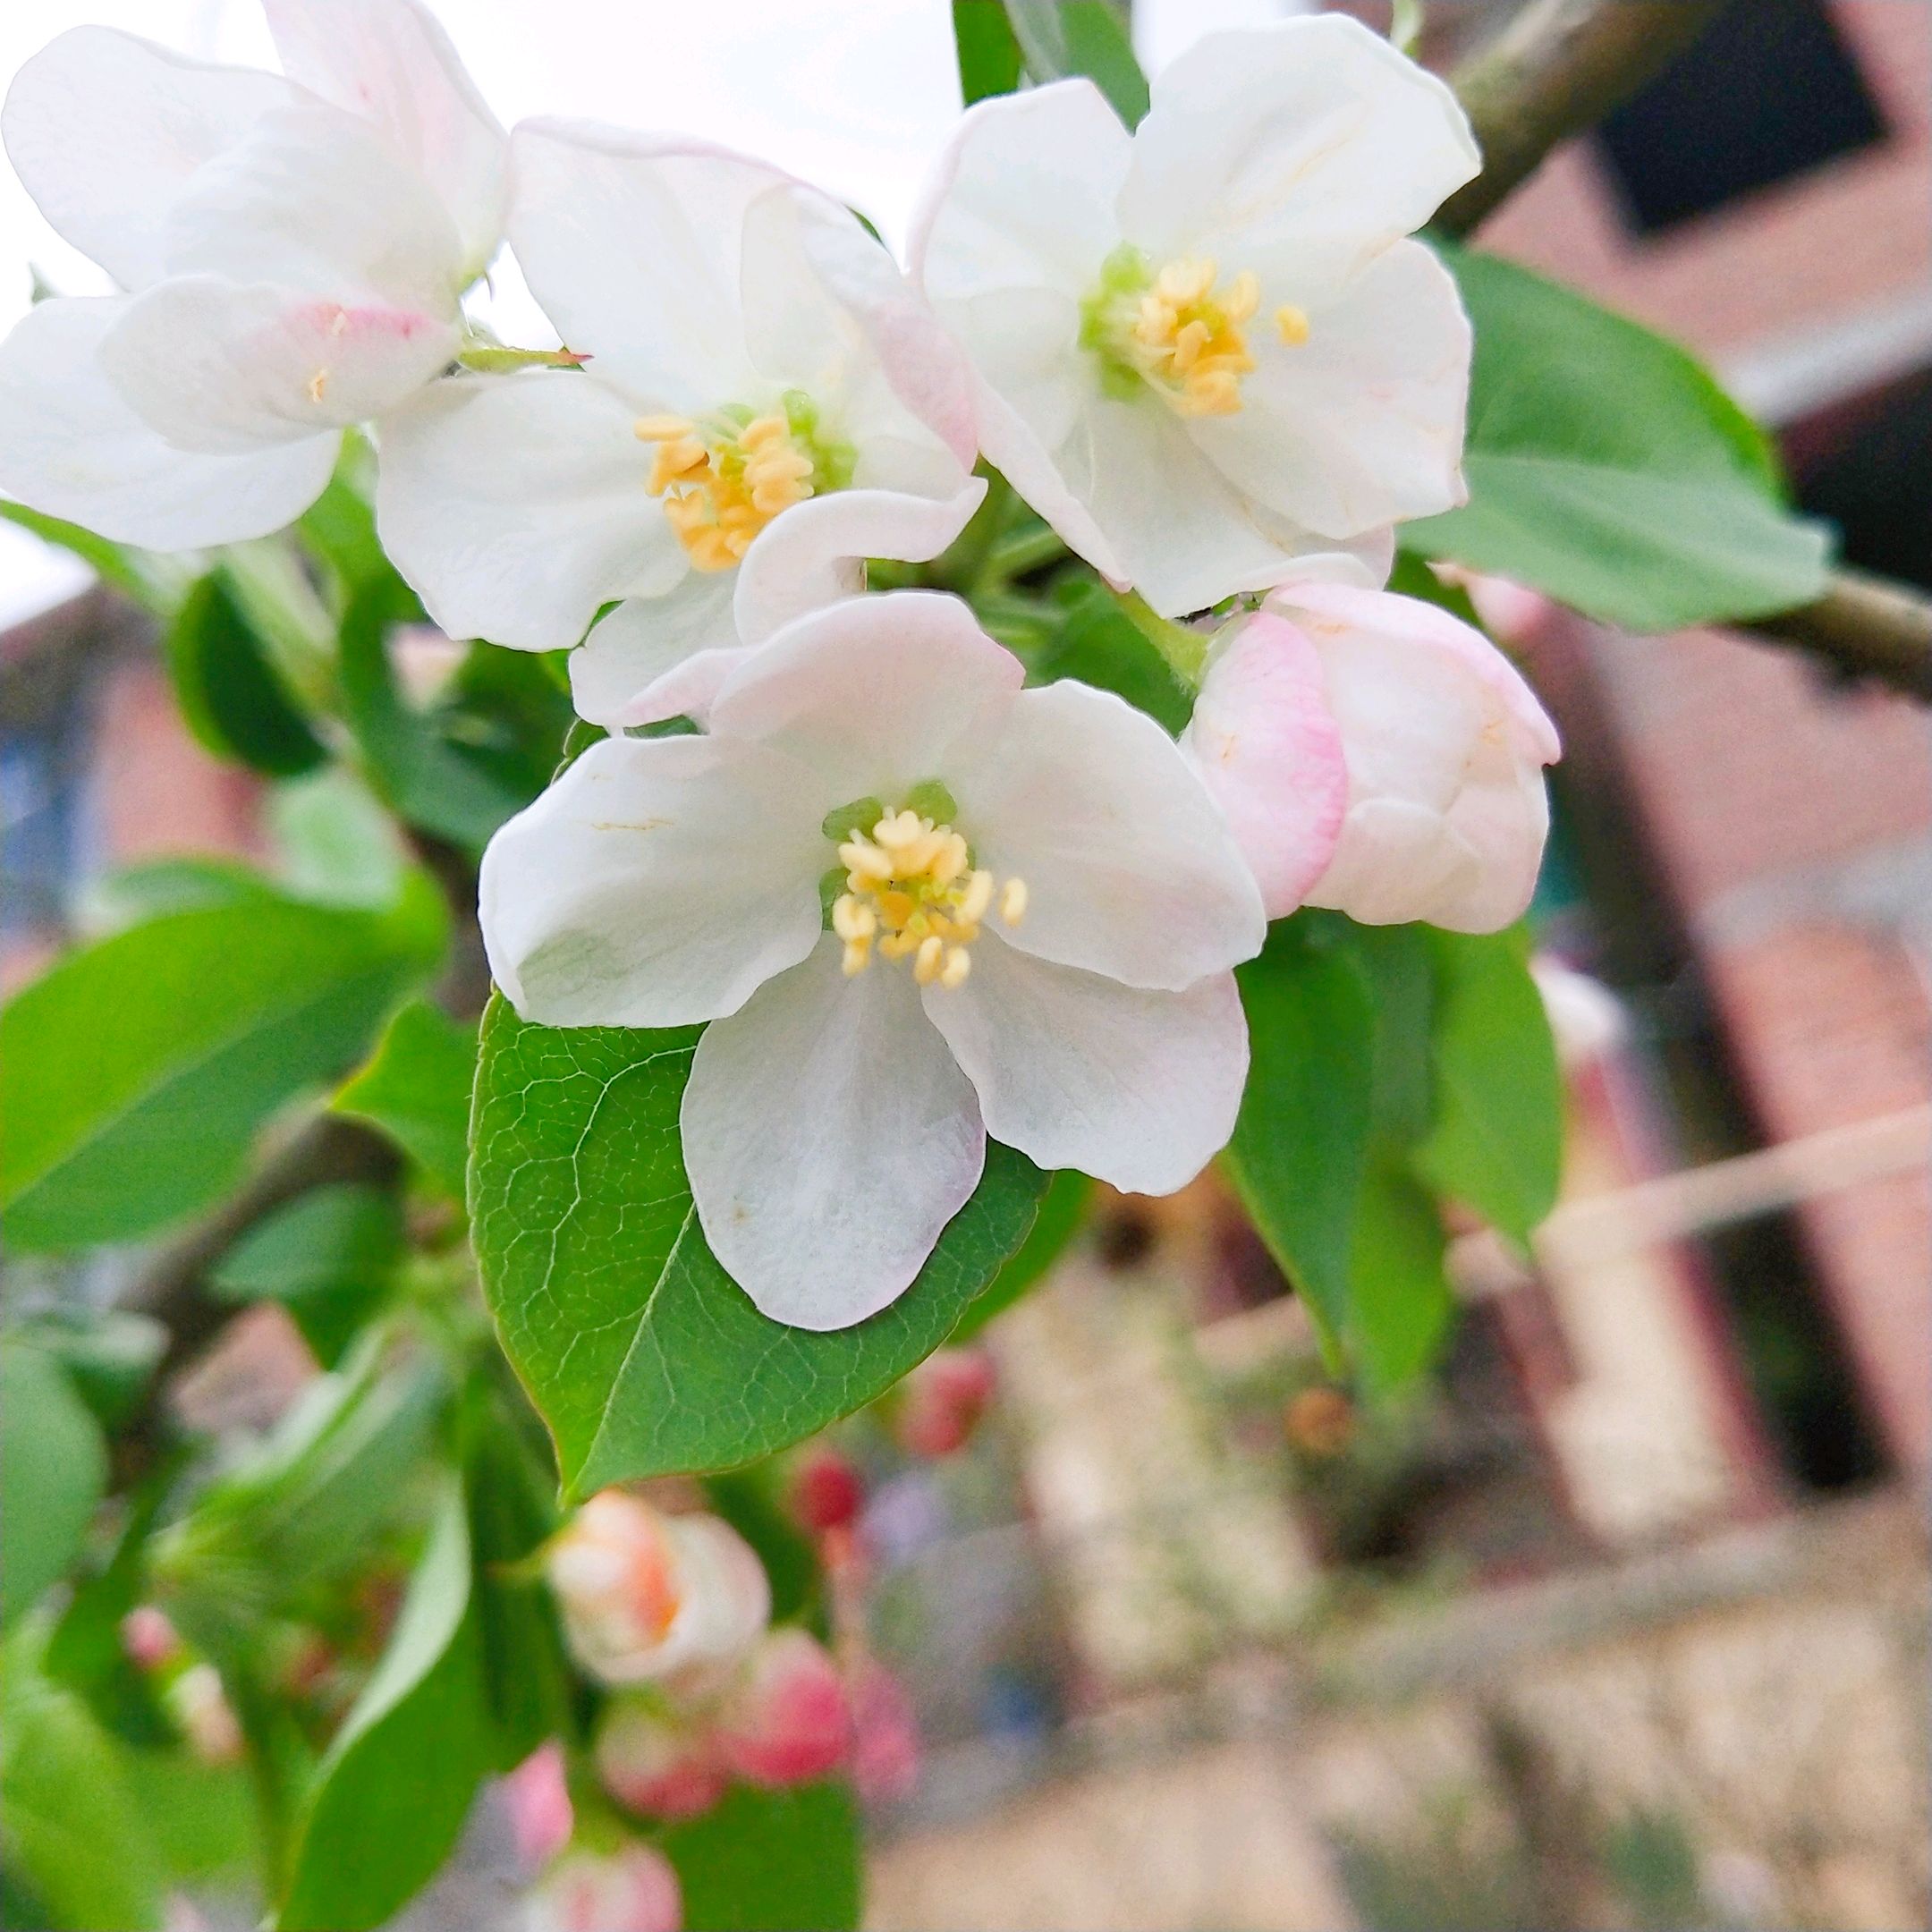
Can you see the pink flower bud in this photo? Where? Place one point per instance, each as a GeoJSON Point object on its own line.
{"type": "Point", "coordinates": [537, 1799]}
{"type": "Point", "coordinates": [149, 1638]}
{"type": "Point", "coordinates": [826, 1493]}
{"type": "Point", "coordinates": [199, 1705]}
{"type": "Point", "coordinates": [646, 1596]}
{"type": "Point", "coordinates": [787, 1720]}
{"type": "Point", "coordinates": [885, 1747]}
{"type": "Point", "coordinates": [633, 1890]}
{"type": "Point", "coordinates": [942, 1400]}
{"type": "Point", "coordinates": [654, 1764]}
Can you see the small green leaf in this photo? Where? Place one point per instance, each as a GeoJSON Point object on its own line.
{"type": "Point", "coordinates": [641, 1353]}
{"type": "Point", "coordinates": [1606, 468]}
{"type": "Point", "coordinates": [989, 55]}
{"type": "Point", "coordinates": [1400, 1303]}
{"type": "Point", "coordinates": [771, 1861]}
{"type": "Point", "coordinates": [1300, 1142]}
{"type": "Point", "coordinates": [52, 1473]}
{"type": "Point", "coordinates": [232, 698]}
{"type": "Point", "coordinates": [134, 1075]}
{"type": "Point", "coordinates": [416, 1087]}
{"type": "Point", "coordinates": [391, 1795]}
{"type": "Point", "coordinates": [1060, 38]}
{"type": "Point", "coordinates": [328, 1258]}
{"type": "Point", "coordinates": [1495, 1144]}
{"type": "Point", "coordinates": [334, 843]}
{"type": "Point", "coordinates": [1063, 1212]}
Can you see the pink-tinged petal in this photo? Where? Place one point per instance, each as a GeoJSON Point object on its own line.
{"type": "Point", "coordinates": [872, 694]}
{"type": "Point", "coordinates": [1263, 741]}
{"type": "Point", "coordinates": [633, 1889]}
{"type": "Point", "coordinates": [1137, 1088]}
{"type": "Point", "coordinates": [656, 882]}
{"type": "Point", "coordinates": [70, 446]}
{"type": "Point", "coordinates": [826, 1227]}
{"type": "Point", "coordinates": [885, 1749]}
{"type": "Point", "coordinates": [516, 507]}
{"type": "Point", "coordinates": [1130, 867]}
{"type": "Point", "coordinates": [222, 365]}
{"type": "Point", "coordinates": [1301, 148]}
{"type": "Point", "coordinates": [787, 1720]}
{"type": "Point", "coordinates": [104, 130]}
{"type": "Point", "coordinates": [538, 1800]}
{"type": "Point", "coordinates": [391, 62]}
{"type": "Point", "coordinates": [655, 1763]}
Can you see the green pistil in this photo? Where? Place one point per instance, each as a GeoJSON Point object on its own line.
{"type": "Point", "coordinates": [833, 460]}
{"type": "Point", "coordinates": [1108, 313]}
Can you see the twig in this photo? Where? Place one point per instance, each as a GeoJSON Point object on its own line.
{"type": "Point", "coordinates": [1866, 625]}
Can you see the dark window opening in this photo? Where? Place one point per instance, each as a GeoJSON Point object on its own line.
{"type": "Point", "coordinates": [1866, 465]}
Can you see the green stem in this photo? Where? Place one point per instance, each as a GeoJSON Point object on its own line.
{"type": "Point", "coordinates": [1185, 649]}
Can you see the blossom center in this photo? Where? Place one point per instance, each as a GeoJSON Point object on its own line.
{"type": "Point", "coordinates": [906, 887]}
{"type": "Point", "coordinates": [723, 477]}
{"type": "Point", "coordinates": [1178, 330]}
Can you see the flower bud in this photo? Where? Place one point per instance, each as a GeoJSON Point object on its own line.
{"type": "Point", "coordinates": [647, 1596]}
{"type": "Point", "coordinates": [537, 1796]}
{"type": "Point", "coordinates": [885, 1746]}
{"type": "Point", "coordinates": [655, 1764]}
{"type": "Point", "coordinates": [942, 1400]}
{"type": "Point", "coordinates": [825, 1492]}
{"type": "Point", "coordinates": [149, 1637]}
{"type": "Point", "coordinates": [785, 1720]}
{"type": "Point", "coordinates": [634, 1889]}
{"type": "Point", "coordinates": [200, 1708]}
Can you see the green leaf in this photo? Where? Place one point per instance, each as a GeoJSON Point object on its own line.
{"type": "Point", "coordinates": [1063, 1210]}
{"type": "Point", "coordinates": [1401, 978]}
{"type": "Point", "coordinates": [335, 842]}
{"type": "Point", "coordinates": [989, 55]}
{"type": "Point", "coordinates": [1099, 644]}
{"type": "Point", "coordinates": [417, 1090]}
{"type": "Point", "coordinates": [1606, 468]}
{"type": "Point", "coordinates": [109, 1357]}
{"type": "Point", "coordinates": [1495, 1144]}
{"type": "Point", "coordinates": [339, 526]}
{"type": "Point", "coordinates": [52, 1473]}
{"type": "Point", "coordinates": [771, 1861]}
{"type": "Point", "coordinates": [642, 1355]}
{"type": "Point", "coordinates": [69, 1827]}
{"type": "Point", "coordinates": [232, 698]}
{"type": "Point", "coordinates": [156, 582]}
{"type": "Point", "coordinates": [134, 1075]}
{"type": "Point", "coordinates": [328, 1257]}
{"type": "Point", "coordinates": [1400, 1303]}
{"type": "Point", "coordinates": [151, 887]}
{"type": "Point", "coordinates": [391, 1795]}
{"type": "Point", "coordinates": [1302, 1139]}
{"type": "Point", "coordinates": [1063, 37]}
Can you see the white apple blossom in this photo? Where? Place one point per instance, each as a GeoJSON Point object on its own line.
{"type": "Point", "coordinates": [1377, 756]}
{"type": "Point", "coordinates": [634, 1888]}
{"type": "Point", "coordinates": [294, 249]}
{"type": "Point", "coordinates": [751, 348]}
{"type": "Point", "coordinates": [1208, 352]}
{"type": "Point", "coordinates": [1031, 910]}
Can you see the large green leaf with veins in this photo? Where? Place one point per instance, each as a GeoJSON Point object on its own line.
{"type": "Point", "coordinates": [642, 1354]}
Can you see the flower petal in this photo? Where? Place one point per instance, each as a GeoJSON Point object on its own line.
{"type": "Point", "coordinates": [72, 447]}
{"type": "Point", "coordinates": [391, 61]}
{"type": "Point", "coordinates": [872, 694]}
{"type": "Point", "coordinates": [222, 365]}
{"type": "Point", "coordinates": [1130, 869]}
{"type": "Point", "coordinates": [657, 882]}
{"type": "Point", "coordinates": [829, 1138]}
{"type": "Point", "coordinates": [656, 658]}
{"type": "Point", "coordinates": [1361, 425]}
{"type": "Point", "coordinates": [631, 245]}
{"type": "Point", "coordinates": [1265, 746]}
{"type": "Point", "coordinates": [105, 130]}
{"type": "Point", "coordinates": [516, 506]}
{"type": "Point", "coordinates": [1137, 1088]}
{"type": "Point", "coordinates": [1301, 148]}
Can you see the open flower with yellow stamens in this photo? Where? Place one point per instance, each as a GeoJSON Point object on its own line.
{"type": "Point", "coordinates": [750, 351]}
{"type": "Point", "coordinates": [918, 905]}
{"type": "Point", "coordinates": [1208, 352]}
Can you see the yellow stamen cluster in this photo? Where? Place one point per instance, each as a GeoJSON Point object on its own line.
{"type": "Point", "coordinates": [911, 889]}
{"type": "Point", "coordinates": [720, 486]}
{"type": "Point", "coordinates": [1187, 336]}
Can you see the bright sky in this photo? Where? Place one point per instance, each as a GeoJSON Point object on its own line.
{"type": "Point", "coordinates": [855, 95]}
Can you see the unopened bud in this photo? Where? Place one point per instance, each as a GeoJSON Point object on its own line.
{"type": "Point", "coordinates": [786, 1719]}
{"type": "Point", "coordinates": [943, 1400]}
{"type": "Point", "coordinates": [655, 1764]}
{"type": "Point", "coordinates": [885, 1746]}
{"type": "Point", "coordinates": [200, 1707]}
{"type": "Point", "coordinates": [631, 1890]}
{"type": "Point", "coordinates": [149, 1637]}
{"type": "Point", "coordinates": [825, 1492]}
{"type": "Point", "coordinates": [537, 1796]}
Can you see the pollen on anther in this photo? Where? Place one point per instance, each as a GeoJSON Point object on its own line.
{"type": "Point", "coordinates": [1012, 903]}
{"type": "Point", "coordinates": [1291, 324]}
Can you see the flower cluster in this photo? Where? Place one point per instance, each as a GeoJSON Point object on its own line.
{"type": "Point", "coordinates": [915, 901]}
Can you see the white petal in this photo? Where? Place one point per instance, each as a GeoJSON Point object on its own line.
{"type": "Point", "coordinates": [104, 130]}
{"type": "Point", "coordinates": [658, 657]}
{"type": "Point", "coordinates": [631, 245]}
{"type": "Point", "coordinates": [391, 61]}
{"type": "Point", "coordinates": [222, 366]}
{"type": "Point", "coordinates": [872, 694]}
{"type": "Point", "coordinates": [829, 1138]}
{"type": "Point", "coordinates": [657, 882]}
{"type": "Point", "coordinates": [1129, 867]}
{"type": "Point", "coordinates": [310, 197]}
{"type": "Point", "coordinates": [1301, 148]}
{"type": "Point", "coordinates": [516, 506]}
{"type": "Point", "coordinates": [1137, 1088]}
{"type": "Point", "coordinates": [72, 447]}
{"type": "Point", "coordinates": [1361, 425]}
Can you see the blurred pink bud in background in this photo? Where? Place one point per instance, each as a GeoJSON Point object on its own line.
{"type": "Point", "coordinates": [787, 1719]}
